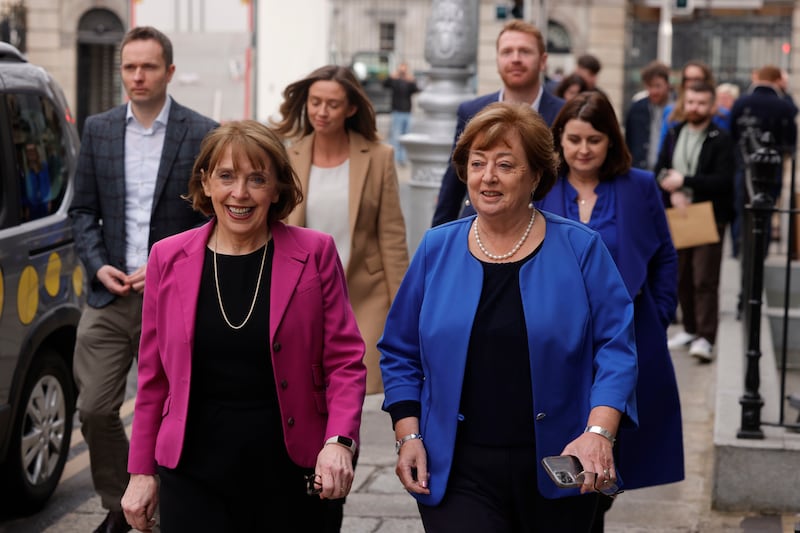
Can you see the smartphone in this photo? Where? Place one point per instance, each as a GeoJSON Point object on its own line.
{"type": "Point", "coordinates": [566, 471]}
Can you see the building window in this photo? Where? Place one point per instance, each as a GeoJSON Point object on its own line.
{"type": "Point", "coordinates": [387, 37]}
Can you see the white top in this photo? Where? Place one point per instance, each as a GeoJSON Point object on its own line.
{"type": "Point", "coordinates": [327, 207]}
{"type": "Point", "coordinates": [143, 148]}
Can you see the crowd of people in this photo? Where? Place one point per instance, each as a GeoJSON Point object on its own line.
{"type": "Point", "coordinates": [530, 322]}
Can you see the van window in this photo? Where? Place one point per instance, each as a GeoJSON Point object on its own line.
{"type": "Point", "coordinates": [39, 146]}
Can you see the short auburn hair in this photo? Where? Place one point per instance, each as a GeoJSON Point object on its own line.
{"type": "Point", "coordinates": [491, 126]}
{"type": "Point", "coordinates": [259, 144]}
{"type": "Point", "coordinates": [523, 27]}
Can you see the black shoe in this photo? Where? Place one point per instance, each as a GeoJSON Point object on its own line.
{"type": "Point", "coordinates": [114, 523]}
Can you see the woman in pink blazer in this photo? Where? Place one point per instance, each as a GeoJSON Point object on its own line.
{"type": "Point", "coordinates": [251, 378]}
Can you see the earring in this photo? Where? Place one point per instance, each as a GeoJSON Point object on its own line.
{"type": "Point", "coordinates": [466, 202]}
{"type": "Point", "coordinates": [530, 204]}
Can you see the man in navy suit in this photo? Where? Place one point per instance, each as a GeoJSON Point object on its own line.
{"type": "Point", "coordinates": [134, 165]}
{"type": "Point", "coordinates": [521, 60]}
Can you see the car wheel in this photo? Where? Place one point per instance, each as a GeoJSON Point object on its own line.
{"type": "Point", "coordinates": [42, 431]}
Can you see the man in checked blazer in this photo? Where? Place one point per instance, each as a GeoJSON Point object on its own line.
{"type": "Point", "coordinates": [521, 59]}
{"type": "Point", "coordinates": [135, 163]}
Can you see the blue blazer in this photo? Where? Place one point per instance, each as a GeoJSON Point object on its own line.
{"type": "Point", "coordinates": [579, 319]}
{"type": "Point", "coordinates": [98, 207]}
{"type": "Point", "coordinates": [450, 203]}
{"type": "Point", "coordinates": [648, 263]}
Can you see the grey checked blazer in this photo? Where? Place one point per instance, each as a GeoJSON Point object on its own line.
{"type": "Point", "coordinates": [98, 207]}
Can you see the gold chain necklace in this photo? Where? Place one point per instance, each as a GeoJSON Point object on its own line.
{"type": "Point", "coordinates": [255, 296]}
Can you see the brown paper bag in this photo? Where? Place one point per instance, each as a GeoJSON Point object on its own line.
{"type": "Point", "coordinates": [692, 226]}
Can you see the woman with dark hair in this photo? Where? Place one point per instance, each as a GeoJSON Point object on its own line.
{"type": "Point", "coordinates": [350, 186]}
{"type": "Point", "coordinates": [510, 340]}
{"type": "Point", "coordinates": [569, 87]}
{"type": "Point", "coordinates": [250, 374]}
{"type": "Point", "coordinates": [598, 188]}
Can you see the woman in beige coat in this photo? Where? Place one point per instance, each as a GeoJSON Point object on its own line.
{"type": "Point", "coordinates": [350, 190]}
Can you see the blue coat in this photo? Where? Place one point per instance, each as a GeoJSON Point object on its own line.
{"type": "Point", "coordinates": [646, 258]}
{"type": "Point", "coordinates": [579, 319]}
{"type": "Point", "coordinates": [450, 203]}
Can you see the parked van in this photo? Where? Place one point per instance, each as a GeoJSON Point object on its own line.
{"type": "Point", "coordinates": [41, 282]}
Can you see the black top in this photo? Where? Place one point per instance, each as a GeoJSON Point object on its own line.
{"type": "Point", "coordinates": [233, 426]}
{"type": "Point", "coordinates": [496, 396]}
{"type": "Point", "coordinates": [401, 93]}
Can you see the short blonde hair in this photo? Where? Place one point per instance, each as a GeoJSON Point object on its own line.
{"type": "Point", "coordinates": [497, 120]}
{"type": "Point", "coordinates": [259, 144]}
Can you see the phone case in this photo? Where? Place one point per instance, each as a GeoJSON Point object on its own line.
{"type": "Point", "coordinates": [566, 471]}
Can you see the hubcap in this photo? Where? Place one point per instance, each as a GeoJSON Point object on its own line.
{"type": "Point", "coordinates": [43, 430]}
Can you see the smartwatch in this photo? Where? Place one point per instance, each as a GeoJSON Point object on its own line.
{"type": "Point", "coordinates": [347, 442]}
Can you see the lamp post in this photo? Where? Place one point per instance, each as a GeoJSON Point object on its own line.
{"type": "Point", "coordinates": [451, 48]}
{"type": "Point", "coordinates": [764, 163]}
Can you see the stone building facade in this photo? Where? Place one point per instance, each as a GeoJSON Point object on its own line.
{"type": "Point", "coordinates": [74, 39]}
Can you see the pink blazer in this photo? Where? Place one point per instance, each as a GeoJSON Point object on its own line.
{"type": "Point", "coordinates": [315, 346]}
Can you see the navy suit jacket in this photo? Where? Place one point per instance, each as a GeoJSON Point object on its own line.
{"type": "Point", "coordinates": [648, 264]}
{"type": "Point", "coordinates": [767, 111]}
{"type": "Point", "coordinates": [453, 190]}
{"type": "Point", "coordinates": [98, 207]}
{"type": "Point", "coordinates": [637, 131]}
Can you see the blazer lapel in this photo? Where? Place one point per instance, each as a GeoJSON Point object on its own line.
{"type": "Point", "coordinates": [188, 272]}
{"type": "Point", "coordinates": [302, 165]}
{"type": "Point", "coordinates": [288, 263]}
{"type": "Point", "coordinates": [359, 166]}
{"type": "Point", "coordinates": [116, 185]}
{"type": "Point", "coordinates": [173, 137]}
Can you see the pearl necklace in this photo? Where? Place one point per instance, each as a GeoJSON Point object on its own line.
{"type": "Point", "coordinates": [516, 247]}
{"type": "Point", "coordinates": [255, 296]}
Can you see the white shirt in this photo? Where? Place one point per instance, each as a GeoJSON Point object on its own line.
{"type": "Point", "coordinates": [327, 208]}
{"type": "Point", "coordinates": [534, 105]}
{"type": "Point", "coordinates": [143, 148]}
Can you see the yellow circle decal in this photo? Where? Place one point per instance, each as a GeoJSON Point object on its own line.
{"type": "Point", "coordinates": [52, 276]}
{"type": "Point", "coordinates": [77, 280]}
{"type": "Point", "coordinates": [28, 295]}
{"type": "Point", "coordinates": [1, 293]}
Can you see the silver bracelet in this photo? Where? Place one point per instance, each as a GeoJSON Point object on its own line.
{"type": "Point", "coordinates": [600, 430]}
{"type": "Point", "coordinates": [410, 436]}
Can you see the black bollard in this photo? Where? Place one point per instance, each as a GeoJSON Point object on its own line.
{"type": "Point", "coordinates": [764, 164]}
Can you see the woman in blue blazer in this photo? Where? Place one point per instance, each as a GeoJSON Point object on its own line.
{"type": "Point", "coordinates": [598, 187]}
{"type": "Point", "coordinates": [492, 361]}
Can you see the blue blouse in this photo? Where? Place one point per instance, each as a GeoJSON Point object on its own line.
{"type": "Point", "coordinates": [604, 214]}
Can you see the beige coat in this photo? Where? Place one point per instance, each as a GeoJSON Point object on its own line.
{"type": "Point", "coordinates": [378, 248]}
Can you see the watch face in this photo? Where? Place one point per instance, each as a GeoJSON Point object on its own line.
{"type": "Point", "coordinates": [347, 441]}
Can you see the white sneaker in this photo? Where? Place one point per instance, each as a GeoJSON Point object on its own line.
{"type": "Point", "coordinates": [680, 340]}
{"type": "Point", "coordinates": [701, 350]}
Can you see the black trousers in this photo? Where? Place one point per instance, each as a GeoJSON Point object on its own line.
{"type": "Point", "coordinates": [189, 505]}
{"type": "Point", "coordinates": [235, 475]}
{"type": "Point", "coordinates": [495, 489]}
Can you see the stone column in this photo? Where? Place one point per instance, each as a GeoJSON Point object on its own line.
{"type": "Point", "coordinates": [451, 48]}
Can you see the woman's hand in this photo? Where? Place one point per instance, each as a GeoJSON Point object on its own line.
{"type": "Point", "coordinates": [140, 501]}
{"type": "Point", "coordinates": [335, 471]}
{"type": "Point", "coordinates": [412, 467]}
{"type": "Point", "coordinates": [595, 454]}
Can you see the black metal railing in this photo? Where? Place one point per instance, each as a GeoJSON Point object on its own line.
{"type": "Point", "coordinates": [763, 166]}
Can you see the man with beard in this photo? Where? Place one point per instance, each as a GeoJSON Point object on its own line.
{"type": "Point", "coordinates": [521, 59]}
{"type": "Point", "coordinates": [696, 164]}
